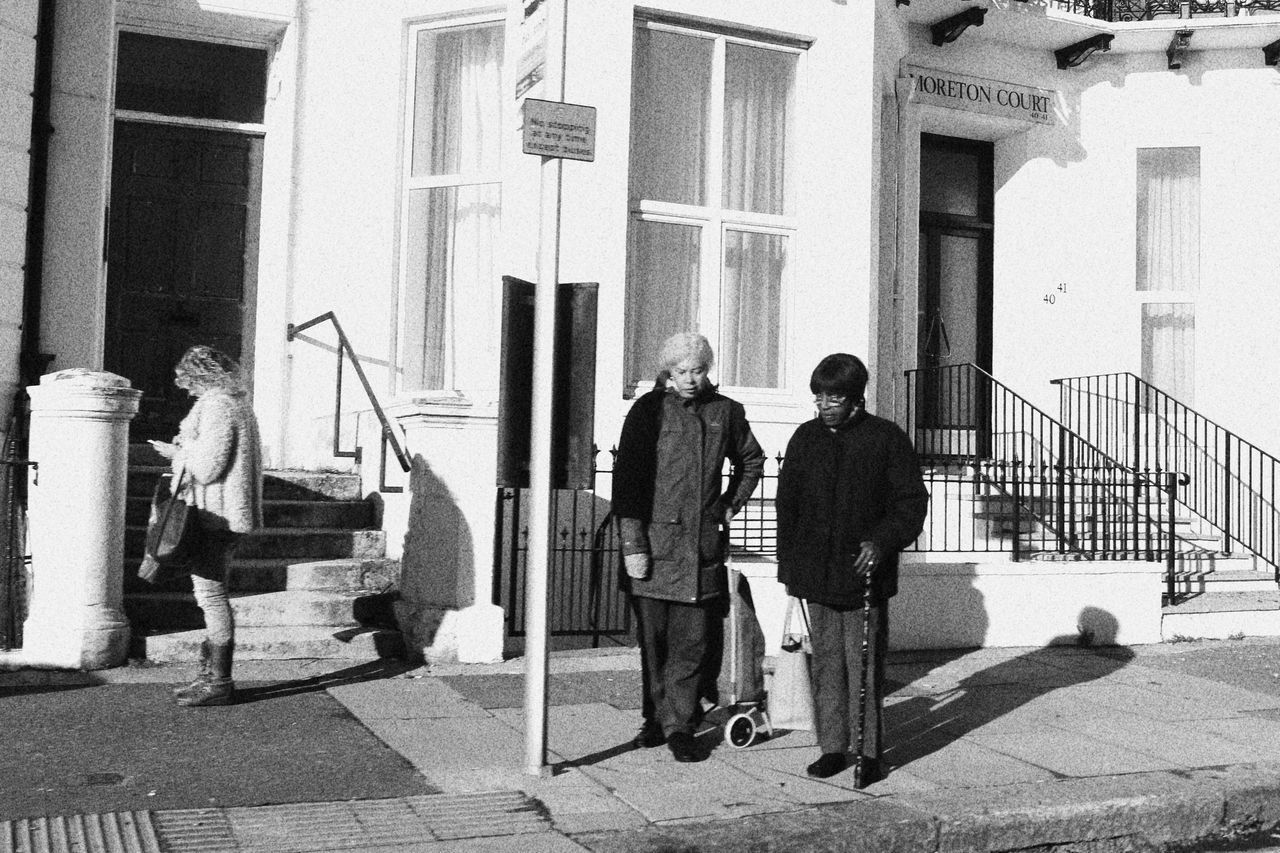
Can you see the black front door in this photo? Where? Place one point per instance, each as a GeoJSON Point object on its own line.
{"type": "Point", "coordinates": [955, 294]}
{"type": "Point", "coordinates": [183, 255]}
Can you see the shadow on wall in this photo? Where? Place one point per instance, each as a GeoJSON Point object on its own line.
{"type": "Point", "coordinates": [437, 567]}
{"type": "Point", "coordinates": [938, 711]}
{"type": "Point", "coordinates": [940, 610]}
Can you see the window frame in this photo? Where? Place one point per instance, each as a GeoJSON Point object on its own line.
{"type": "Point", "coordinates": [713, 219]}
{"type": "Point", "coordinates": [1139, 298]}
{"type": "Point", "coordinates": [407, 184]}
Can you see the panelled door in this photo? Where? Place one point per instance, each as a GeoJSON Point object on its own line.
{"type": "Point", "coordinates": [183, 256]}
{"type": "Point", "coordinates": [955, 293]}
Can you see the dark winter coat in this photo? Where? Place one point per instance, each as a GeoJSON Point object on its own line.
{"type": "Point", "coordinates": [838, 489]}
{"type": "Point", "coordinates": [668, 491]}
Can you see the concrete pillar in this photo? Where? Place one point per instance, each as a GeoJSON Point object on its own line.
{"type": "Point", "coordinates": [74, 290]}
{"type": "Point", "coordinates": [446, 581]}
{"type": "Point", "coordinates": [907, 267]}
{"type": "Point", "coordinates": [80, 444]}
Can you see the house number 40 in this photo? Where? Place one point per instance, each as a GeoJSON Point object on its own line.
{"type": "Point", "coordinates": [1052, 297]}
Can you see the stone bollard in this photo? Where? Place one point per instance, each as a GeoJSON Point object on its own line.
{"type": "Point", "coordinates": [76, 502]}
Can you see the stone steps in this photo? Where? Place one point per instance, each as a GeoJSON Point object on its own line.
{"type": "Point", "coordinates": [313, 583]}
{"type": "Point", "coordinates": [1222, 615]}
{"type": "Point", "coordinates": [296, 642]}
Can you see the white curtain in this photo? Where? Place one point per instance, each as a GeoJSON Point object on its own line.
{"type": "Point", "coordinates": [670, 103]}
{"type": "Point", "coordinates": [752, 309]}
{"type": "Point", "coordinates": [1168, 261]}
{"type": "Point", "coordinates": [1169, 219]}
{"type": "Point", "coordinates": [758, 86]}
{"type": "Point", "coordinates": [1169, 348]}
{"type": "Point", "coordinates": [452, 233]}
{"type": "Point", "coordinates": [662, 291]}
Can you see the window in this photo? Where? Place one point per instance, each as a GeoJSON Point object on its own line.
{"type": "Point", "coordinates": [452, 208]}
{"type": "Point", "coordinates": [712, 219]}
{"type": "Point", "coordinates": [1168, 266]}
{"type": "Point", "coordinates": [179, 77]}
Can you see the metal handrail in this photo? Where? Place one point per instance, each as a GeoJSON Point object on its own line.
{"type": "Point", "coordinates": [388, 435]}
{"type": "Point", "coordinates": [1235, 480]}
{"type": "Point", "coordinates": [961, 416]}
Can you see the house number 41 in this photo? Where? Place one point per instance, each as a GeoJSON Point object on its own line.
{"type": "Point", "coordinates": [1052, 296]}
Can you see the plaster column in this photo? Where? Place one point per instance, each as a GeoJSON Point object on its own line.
{"type": "Point", "coordinates": [907, 267]}
{"type": "Point", "coordinates": [74, 288]}
{"type": "Point", "coordinates": [446, 578]}
{"type": "Point", "coordinates": [80, 444]}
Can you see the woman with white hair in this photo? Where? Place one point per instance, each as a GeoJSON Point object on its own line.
{"type": "Point", "coordinates": [218, 451]}
{"type": "Point", "coordinates": [671, 503]}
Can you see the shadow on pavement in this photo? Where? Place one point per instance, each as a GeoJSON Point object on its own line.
{"type": "Point", "coordinates": [371, 671]}
{"type": "Point", "coordinates": [929, 721]}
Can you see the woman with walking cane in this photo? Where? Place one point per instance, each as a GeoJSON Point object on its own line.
{"type": "Point", "coordinates": [850, 497]}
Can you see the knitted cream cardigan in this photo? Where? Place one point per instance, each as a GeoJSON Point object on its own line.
{"type": "Point", "coordinates": [218, 447]}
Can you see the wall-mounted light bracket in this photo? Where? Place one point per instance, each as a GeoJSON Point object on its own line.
{"type": "Point", "coordinates": [949, 29]}
{"type": "Point", "coordinates": [1177, 50]}
{"type": "Point", "coordinates": [1074, 54]}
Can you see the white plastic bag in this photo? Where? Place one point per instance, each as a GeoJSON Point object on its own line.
{"type": "Point", "coordinates": [791, 695]}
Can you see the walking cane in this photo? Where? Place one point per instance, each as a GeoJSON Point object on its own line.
{"type": "Point", "coordinates": [859, 779]}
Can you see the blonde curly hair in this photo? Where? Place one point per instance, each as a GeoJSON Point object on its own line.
{"type": "Point", "coordinates": [685, 345]}
{"type": "Point", "coordinates": [203, 368]}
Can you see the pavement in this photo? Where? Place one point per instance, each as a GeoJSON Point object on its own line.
{"type": "Point", "coordinates": [1174, 747]}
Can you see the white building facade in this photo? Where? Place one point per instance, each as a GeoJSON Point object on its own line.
{"type": "Point", "coordinates": [918, 183]}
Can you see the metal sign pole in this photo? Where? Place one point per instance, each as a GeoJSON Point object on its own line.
{"type": "Point", "coordinates": [544, 339]}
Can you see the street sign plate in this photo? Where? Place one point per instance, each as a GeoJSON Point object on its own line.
{"type": "Point", "coordinates": [553, 129]}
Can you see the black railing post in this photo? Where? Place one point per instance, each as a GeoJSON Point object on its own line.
{"type": "Point", "coordinates": [1226, 495]}
{"type": "Point", "coordinates": [1169, 553]}
{"type": "Point", "coordinates": [1017, 513]}
{"type": "Point", "coordinates": [1065, 530]}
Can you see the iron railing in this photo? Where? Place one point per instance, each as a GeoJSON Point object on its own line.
{"type": "Point", "coordinates": [1026, 508]}
{"type": "Point", "coordinates": [15, 562]}
{"type": "Point", "coordinates": [1025, 482]}
{"type": "Point", "coordinates": [1233, 482]}
{"type": "Point", "coordinates": [1120, 11]}
{"type": "Point", "coordinates": [388, 436]}
{"type": "Point", "coordinates": [586, 597]}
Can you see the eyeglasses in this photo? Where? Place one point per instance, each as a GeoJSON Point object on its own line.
{"type": "Point", "coordinates": [823, 400]}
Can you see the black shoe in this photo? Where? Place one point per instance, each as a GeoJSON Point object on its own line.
{"type": "Point", "coordinates": [829, 764]}
{"type": "Point", "coordinates": [683, 747]}
{"type": "Point", "coordinates": [649, 736]}
{"type": "Point", "coordinates": [867, 771]}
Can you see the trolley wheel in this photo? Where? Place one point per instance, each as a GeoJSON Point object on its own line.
{"type": "Point", "coordinates": [740, 731]}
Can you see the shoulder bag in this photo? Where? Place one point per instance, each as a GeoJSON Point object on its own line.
{"type": "Point", "coordinates": [173, 531]}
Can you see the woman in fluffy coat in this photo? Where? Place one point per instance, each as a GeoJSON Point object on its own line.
{"type": "Point", "coordinates": [218, 449]}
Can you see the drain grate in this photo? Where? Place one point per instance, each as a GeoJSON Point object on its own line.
{"type": "Point", "coordinates": [476, 815]}
{"type": "Point", "coordinates": [194, 831]}
{"type": "Point", "coordinates": [292, 828]}
{"type": "Point", "coordinates": [89, 833]}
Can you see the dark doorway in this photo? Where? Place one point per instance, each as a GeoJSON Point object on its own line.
{"type": "Point", "coordinates": [183, 256]}
{"type": "Point", "coordinates": [956, 203]}
{"type": "Point", "coordinates": [185, 194]}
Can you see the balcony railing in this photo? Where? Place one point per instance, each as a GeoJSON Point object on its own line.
{"type": "Point", "coordinates": [1120, 11]}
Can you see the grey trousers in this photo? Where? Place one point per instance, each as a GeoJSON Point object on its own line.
{"type": "Point", "coordinates": [837, 673]}
{"type": "Point", "coordinates": [676, 651]}
{"type": "Point", "coordinates": [209, 574]}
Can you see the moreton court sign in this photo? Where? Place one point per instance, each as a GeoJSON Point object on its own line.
{"type": "Point", "coordinates": [977, 95]}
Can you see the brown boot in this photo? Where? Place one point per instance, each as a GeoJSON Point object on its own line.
{"type": "Point", "coordinates": [219, 689]}
{"type": "Point", "coordinates": [202, 675]}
